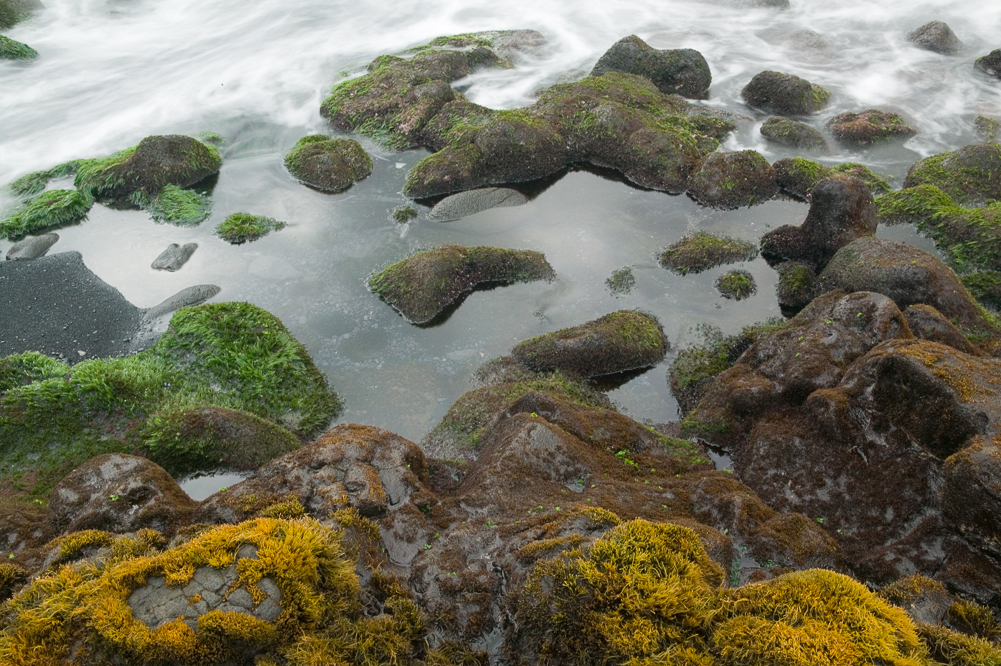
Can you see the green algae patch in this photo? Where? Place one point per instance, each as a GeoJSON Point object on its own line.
{"type": "Point", "coordinates": [35, 182]}
{"type": "Point", "coordinates": [736, 285]}
{"type": "Point", "coordinates": [173, 205]}
{"type": "Point", "coordinates": [328, 164]}
{"type": "Point", "coordinates": [48, 209]}
{"type": "Point", "coordinates": [11, 50]}
{"type": "Point", "coordinates": [621, 281]}
{"type": "Point", "coordinates": [798, 176]}
{"type": "Point", "coordinates": [985, 286]}
{"type": "Point", "coordinates": [970, 175]}
{"type": "Point", "coordinates": [403, 214]}
{"type": "Point", "coordinates": [426, 284]}
{"type": "Point", "coordinates": [242, 227]}
{"type": "Point", "coordinates": [226, 355]}
{"type": "Point", "coordinates": [701, 251]}
{"type": "Point", "coordinates": [15, 11]}
{"type": "Point", "coordinates": [797, 285]}
{"type": "Point", "coordinates": [619, 341]}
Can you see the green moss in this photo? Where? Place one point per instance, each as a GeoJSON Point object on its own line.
{"type": "Point", "coordinates": [403, 214]}
{"type": "Point", "coordinates": [985, 286]}
{"type": "Point", "coordinates": [210, 138]}
{"type": "Point", "coordinates": [242, 227]}
{"type": "Point", "coordinates": [988, 128]}
{"type": "Point", "coordinates": [736, 285]}
{"type": "Point", "coordinates": [23, 369]}
{"type": "Point", "coordinates": [621, 281]}
{"type": "Point", "coordinates": [701, 251]}
{"type": "Point", "coordinates": [180, 207]}
{"type": "Point", "coordinates": [970, 175]}
{"type": "Point", "coordinates": [876, 184]}
{"type": "Point", "coordinates": [230, 355]}
{"type": "Point", "coordinates": [31, 183]}
{"type": "Point", "coordinates": [48, 209]}
{"type": "Point", "coordinates": [327, 163]}
{"type": "Point", "coordinates": [11, 50]}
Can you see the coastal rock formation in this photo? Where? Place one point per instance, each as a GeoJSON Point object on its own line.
{"type": "Point", "coordinates": [680, 71]}
{"type": "Point", "coordinates": [936, 36]}
{"type": "Point", "coordinates": [970, 175]}
{"type": "Point", "coordinates": [792, 133]}
{"type": "Point", "coordinates": [797, 176]}
{"type": "Point", "coordinates": [990, 63]}
{"type": "Point", "coordinates": [784, 94]}
{"type": "Point", "coordinates": [866, 128]}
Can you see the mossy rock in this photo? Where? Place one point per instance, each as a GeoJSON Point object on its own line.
{"type": "Point", "coordinates": [732, 180]}
{"type": "Point", "coordinates": [147, 168]}
{"type": "Point", "coordinates": [621, 281]}
{"type": "Point", "coordinates": [869, 127]}
{"type": "Point", "coordinates": [792, 133]}
{"type": "Point", "coordinates": [936, 36]}
{"type": "Point", "coordinates": [681, 71]}
{"type": "Point", "coordinates": [328, 164]}
{"type": "Point", "coordinates": [11, 50]}
{"type": "Point", "coordinates": [48, 209]}
{"type": "Point", "coordinates": [990, 64]}
{"type": "Point", "coordinates": [242, 227]}
{"type": "Point", "coordinates": [180, 207]}
{"type": "Point", "coordinates": [970, 175]}
{"type": "Point", "coordinates": [227, 355]}
{"type": "Point", "coordinates": [736, 285]}
{"type": "Point", "coordinates": [784, 94]}
{"type": "Point", "coordinates": [620, 341]}
{"type": "Point", "coordinates": [985, 286]}
{"type": "Point", "coordinates": [797, 176]}
{"type": "Point", "coordinates": [426, 284]}
{"type": "Point", "coordinates": [797, 286]}
{"type": "Point", "coordinates": [988, 128]}
{"type": "Point", "coordinates": [701, 251]}
{"type": "Point", "coordinates": [15, 11]}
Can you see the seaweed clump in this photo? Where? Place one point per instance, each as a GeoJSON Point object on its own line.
{"type": "Point", "coordinates": [736, 285]}
{"type": "Point", "coordinates": [48, 209]}
{"type": "Point", "coordinates": [621, 281]}
{"type": "Point", "coordinates": [12, 50]}
{"type": "Point", "coordinates": [985, 286]}
{"type": "Point", "coordinates": [328, 164]}
{"type": "Point", "coordinates": [798, 176]}
{"type": "Point", "coordinates": [701, 251]}
{"type": "Point", "coordinates": [242, 227]}
{"type": "Point", "coordinates": [176, 206]}
{"type": "Point", "coordinates": [970, 175]}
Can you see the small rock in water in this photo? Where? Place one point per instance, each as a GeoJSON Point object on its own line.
{"type": "Point", "coordinates": [936, 36]}
{"type": "Point", "coordinates": [869, 127]}
{"type": "Point", "coordinates": [788, 132]}
{"type": "Point", "coordinates": [471, 202]}
{"type": "Point", "coordinates": [32, 248]}
{"type": "Point", "coordinates": [990, 63]}
{"type": "Point", "coordinates": [190, 296]}
{"type": "Point", "coordinates": [174, 257]}
{"type": "Point", "coordinates": [784, 94]}
{"type": "Point", "coordinates": [681, 71]}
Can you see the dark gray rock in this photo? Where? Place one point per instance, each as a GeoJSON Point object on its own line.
{"type": "Point", "coordinates": [680, 71]}
{"type": "Point", "coordinates": [32, 247]}
{"type": "Point", "coordinates": [792, 133]}
{"type": "Point", "coordinates": [990, 63]}
{"type": "Point", "coordinates": [784, 94]}
{"type": "Point", "coordinates": [174, 257]}
{"type": "Point", "coordinates": [190, 296]}
{"type": "Point", "coordinates": [936, 36]}
{"type": "Point", "coordinates": [732, 180]}
{"type": "Point", "coordinates": [464, 204]}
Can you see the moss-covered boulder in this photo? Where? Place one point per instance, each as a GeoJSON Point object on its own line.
{"type": "Point", "coordinates": [797, 286]}
{"type": "Point", "coordinates": [11, 50]}
{"type": "Point", "coordinates": [736, 285]}
{"type": "Point", "coordinates": [145, 169]}
{"type": "Point", "coordinates": [988, 128]}
{"type": "Point", "coordinates": [797, 176]}
{"type": "Point", "coordinates": [868, 127]}
{"type": "Point", "coordinates": [15, 11]}
{"type": "Point", "coordinates": [681, 71]}
{"type": "Point", "coordinates": [970, 175]}
{"type": "Point", "coordinates": [426, 284]}
{"type": "Point", "coordinates": [328, 164]}
{"type": "Point", "coordinates": [242, 227]}
{"type": "Point", "coordinates": [927, 323]}
{"type": "Point", "coordinates": [784, 94]}
{"type": "Point", "coordinates": [48, 209]}
{"type": "Point", "coordinates": [985, 286]}
{"type": "Point", "coordinates": [732, 180]}
{"type": "Point", "coordinates": [617, 342]}
{"type": "Point", "coordinates": [935, 36]}
{"type": "Point", "coordinates": [701, 251]}
{"type": "Point", "coordinates": [990, 63]}
{"type": "Point", "coordinates": [793, 134]}
{"type": "Point", "coordinates": [226, 355]}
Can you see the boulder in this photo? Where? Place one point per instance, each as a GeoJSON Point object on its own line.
{"type": "Point", "coordinates": [701, 251]}
{"type": "Point", "coordinates": [936, 36]}
{"type": "Point", "coordinates": [464, 204]}
{"type": "Point", "coordinates": [990, 63]}
{"type": "Point", "coordinates": [426, 284]}
{"type": "Point", "coordinates": [681, 71]}
{"type": "Point", "coordinates": [841, 211]}
{"type": "Point", "coordinates": [793, 134]}
{"type": "Point", "coordinates": [620, 341]}
{"type": "Point", "coordinates": [924, 599]}
{"type": "Point", "coordinates": [797, 176]}
{"type": "Point", "coordinates": [174, 257]}
{"type": "Point", "coordinates": [732, 180]}
{"type": "Point", "coordinates": [32, 247]}
{"type": "Point", "coordinates": [972, 494]}
{"type": "Point", "coordinates": [784, 94]}
{"type": "Point", "coordinates": [869, 127]}
{"type": "Point", "coordinates": [328, 164]}
{"type": "Point", "coordinates": [11, 50]}
{"type": "Point", "coordinates": [927, 323]}
{"type": "Point", "coordinates": [15, 11]}
{"type": "Point", "coordinates": [120, 493]}
{"type": "Point", "coordinates": [52, 208]}
{"type": "Point", "coordinates": [797, 286]}
{"type": "Point", "coordinates": [970, 175]}
{"type": "Point", "coordinates": [188, 296]}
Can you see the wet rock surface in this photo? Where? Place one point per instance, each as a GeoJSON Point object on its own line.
{"type": "Point", "coordinates": [174, 257]}
{"type": "Point", "coordinates": [936, 36]}
{"type": "Point", "coordinates": [681, 71]}
{"type": "Point", "coordinates": [464, 204]}
{"type": "Point", "coordinates": [784, 94]}
{"type": "Point", "coordinates": [328, 164]}
{"type": "Point", "coordinates": [32, 248]}
{"type": "Point", "coordinates": [792, 133]}
{"type": "Point", "coordinates": [970, 175]}
{"type": "Point", "coordinates": [797, 176]}
{"type": "Point", "coordinates": [732, 180]}
{"type": "Point", "coordinates": [189, 296]}
{"type": "Point", "coordinates": [990, 63]}
{"type": "Point", "coordinates": [869, 127]}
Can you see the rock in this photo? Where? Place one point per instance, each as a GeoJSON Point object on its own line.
{"type": "Point", "coordinates": [732, 180]}
{"type": "Point", "coordinates": [24, 530]}
{"type": "Point", "coordinates": [701, 251]}
{"type": "Point", "coordinates": [868, 127]}
{"type": "Point", "coordinates": [985, 286]}
{"type": "Point", "coordinates": [464, 204]}
{"type": "Point", "coordinates": [11, 50]}
{"type": "Point", "coordinates": [936, 36]}
{"type": "Point", "coordinates": [971, 497]}
{"type": "Point", "coordinates": [792, 133]}
{"type": "Point", "coordinates": [990, 63]}
{"type": "Point", "coordinates": [32, 247]}
{"type": "Point", "coordinates": [241, 228]}
{"type": "Point", "coordinates": [784, 94]}
{"type": "Point", "coordinates": [988, 128]}
{"type": "Point", "coordinates": [927, 323]}
{"type": "Point", "coordinates": [681, 71]}
{"type": "Point", "coordinates": [48, 209]}
{"type": "Point", "coordinates": [797, 286]}
{"type": "Point", "coordinates": [15, 11]}
{"type": "Point", "coordinates": [617, 342]}
{"type": "Point", "coordinates": [195, 295]}
{"type": "Point", "coordinates": [841, 211]}
{"type": "Point", "coordinates": [426, 284]}
{"type": "Point", "coordinates": [174, 257]}
{"type": "Point", "coordinates": [924, 599]}
{"type": "Point", "coordinates": [904, 273]}
{"type": "Point", "coordinates": [970, 175]}
{"type": "Point", "coordinates": [328, 164]}
{"type": "Point", "coordinates": [797, 176]}
{"type": "Point", "coordinates": [120, 493]}
{"type": "Point", "coordinates": [143, 171]}
{"type": "Point", "coordinates": [736, 285]}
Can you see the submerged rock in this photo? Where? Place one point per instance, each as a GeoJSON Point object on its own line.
{"type": "Point", "coordinates": [426, 284]}
{"type": "Point", "coordinates": [11, 50]}
{"type": "Point", "coordinates": [177, 206]}
{"type": "Point", "coordinates": [797, 176]}
{"type": "Point", "coordinates": [784, 94]}
{"type": "Point", "coordinates": [936, 36]}
{"type": "Point", "coordinates": [328, 164]}
{"type": "Point", "coordinates": [620, 341]}
{"type": "Point", "coordinates": [621, 281]}
{"type": "Point", "coordinates": [701, 251]}
{"type": "Point", "coordinates": [732, 180]}
{"type": "Point", "coordinates": [241, 228]}
{"type": "Point", "coordinates": [32, 247]}
{"type": "Point", "coordinates": [195, 295]}
{"type": "Point", "coordinates": [868, 127]}
{"type": "Point", "coordinates": [736, 285]}
{"type": "Point", "coordinates": [792, 133]}
{"type": "Point", "coordinates": [48, 209]}
{"type": "Point", "coordinates": [988, 128]}
{"type": "Point", "coordinates": [464, 204]}
{"type": "Point", "coordinates": [681, 71]}
{"type": "Point", "coordinates": [174, 257]}
{"type": "Point", "coordinates": [15, 11]}
{"type": "Point", "coordinates": [970, 175]}
{"type": "Point", "coordinates": [990, 63]}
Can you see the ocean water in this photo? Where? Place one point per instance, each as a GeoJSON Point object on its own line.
{"type": "Point", "coordinates": [113, 71]}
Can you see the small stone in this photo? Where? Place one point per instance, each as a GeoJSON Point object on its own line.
{"type": "Point", "coordinates": [210, 578]}
{"type": "Point", "coordinates": [464, 204]}
{"type": "Point", "coordinates": [241, 599]}
{"type": "Point", "coordinates": [270, 588]}
{"type": "Point", "coordinates": [174, 257]}
{"type": "Point", "coordinates": [268, 611]}
{"type": "Point", "coordinates": [936, 36]}
{"type": "Point", "coordinates": [190, 296]}
{"type": "Point", "coordinates": [32, 248]}
{"type": "Point", "coordinates": [247, 551]}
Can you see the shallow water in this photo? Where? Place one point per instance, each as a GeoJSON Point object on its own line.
{"type": "Point", "coordinates": [111, 73]}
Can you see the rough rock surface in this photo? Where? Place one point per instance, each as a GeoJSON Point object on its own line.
{"type": "Point", "coordinates": [681, 71]}
{"type": "Point", "coordinates": [792, 133]}
{"type": "Point", "coordinates": [868, 127]}
{"type": "Point", "coordinates": [464, 204]}
{"type": "Point", "coordinates": [732, 180]}
{"type": "Point", "coordinates": [928, 323]}
{"type": "Point", "coordinates": [990, 63]}
{"type": "Point", "coordinates": [33, 247]}
{"type": "Point", "coordinates": [797, 176]}
{"type": "Point", "coordinates": [784, 94]}
{"type": "Point", "coordinates": [936, 36]}
{"type": "Point", "coordinates": [328, 164]}
{"type": "Point", "coordinates": [174, 257]}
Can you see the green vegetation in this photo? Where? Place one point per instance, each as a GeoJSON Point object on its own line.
{"type": "Point", "coordinates": [988, 128]}
{"type": "Point", "coordinates": [242, 227]}
{"type": "Point", "coordinates": [621, 281]}
{"type": "Point", "coordinates": [35, 182]}
{"type": "Point", "coordinates": [48, 209]}
{"type": "Point", "coordinates": [970, 175]}
{"type": "Point", "coordinates": [797, 285]}
{"type": "Point", "coordinates": [736, 285]}
{"type": "Point", "coordinates": [798, 176]}
{"type": "Point", "coordinates": [789, 132]}
{"type": "Point", "coordinates": [328, 164]}
{"type": "Point", "coordinates": [701, 251]}
{"type": "Point", "coordinates": [985, 286]}
{"type": "Point", "coordinates": [403, 214]}
{"type": "Point", "coordinates": [228, 355]}
{"type": "Point", "coordinates": [184, 208]}
{"type": "Point", "coordinates": [11, 50]}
